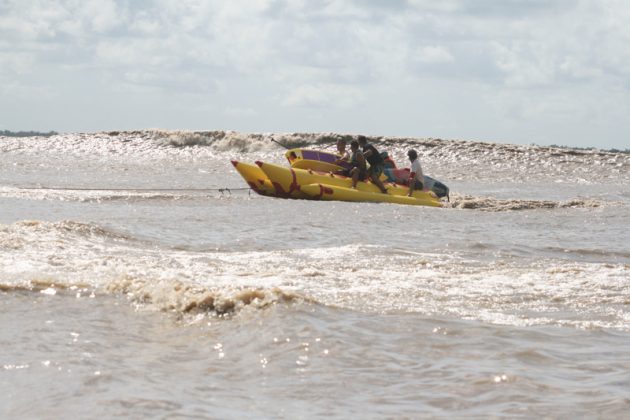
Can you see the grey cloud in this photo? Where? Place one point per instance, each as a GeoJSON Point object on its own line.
{"type": "Point", "coordinates": [516, 9]}
{"type": "Point", "coordinates": [389, 5]}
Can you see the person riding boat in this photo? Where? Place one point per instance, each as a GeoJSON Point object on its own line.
{"type": "Point", "coordinates": [376, 162]}
{"type": "Point", "coordinates": [342, 152]}
{"type": "Point", "coordinates": [357, 161]}
{"type": "Point", "coordinates": [416, 177]}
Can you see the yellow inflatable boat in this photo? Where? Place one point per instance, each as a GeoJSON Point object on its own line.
{"type": "Point", "coordinates": [255, 178]}
{"type": "Point", "coordinates": [315, 159]}
{"type": "Point", "coordinates": [289, 182]}
{"type": "Point", "coordinates": [329, 192]}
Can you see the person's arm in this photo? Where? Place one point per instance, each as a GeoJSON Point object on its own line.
{"type": "Point", "coordinates": [361, 161]}
{"type": "Point", "coordinates": [344, 158]}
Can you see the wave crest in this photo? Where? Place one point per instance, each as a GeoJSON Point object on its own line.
{"type": "Point", "coordinates": [232, 141]}
{"type": "Point", "coordinates": [494, 204]}
{"type": "Point", "coordinates": [446, 159]}
{"type": "Point", "coordinates": [181, 298]}
{"type": "Point", "coordinates": [71, 227]}
{"type": "Point", "coordinates": [17, 235]}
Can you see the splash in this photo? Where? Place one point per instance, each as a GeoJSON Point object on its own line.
{"type": "Point", "coordinates": [493, 204]}
{"type": "Point", "coordinates": [190, 299]}
{"type": "Point", "coordinates": [89, 195]}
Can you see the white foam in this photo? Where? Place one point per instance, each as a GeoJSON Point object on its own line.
{"type": "Point", "coordinates": [365, 278]}
{"type": "Point", "coordinates": [101, 195]}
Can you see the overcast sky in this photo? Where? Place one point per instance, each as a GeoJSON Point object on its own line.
{"type": "Point", "coordinates": [514, 71]}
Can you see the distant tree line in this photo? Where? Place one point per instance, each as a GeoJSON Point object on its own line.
{"type": "Point", "coordinates": [591, 148]}
{"type": "Point", "coordinates": [7, 133]}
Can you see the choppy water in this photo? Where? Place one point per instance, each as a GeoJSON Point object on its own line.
{"type": "Point", "coordinates": [131, 286]}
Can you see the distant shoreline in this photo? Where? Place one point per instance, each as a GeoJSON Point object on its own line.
{"type": "Point", "coordinates": [613, 150]}
{"type": "Point", "coordinates": [8, 133]}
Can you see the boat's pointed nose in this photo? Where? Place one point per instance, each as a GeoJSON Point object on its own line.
{"type": "Point", "coordinates": [259, 163]}
{"type": "Point", "coordinates": [234, 162]}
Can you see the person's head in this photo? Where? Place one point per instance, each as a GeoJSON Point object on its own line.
{"type": "Point", "coordinates": [354, 145]}
{"type": "Point", "coordinates": [362, 140]}
{"type": "Point", "coordinates": [412, 154]}
{"type": "Point", "coordinates": [341, 145]}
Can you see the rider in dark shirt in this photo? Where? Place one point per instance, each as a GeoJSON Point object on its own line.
{"type": "Point", "coordinates": [376, 163]}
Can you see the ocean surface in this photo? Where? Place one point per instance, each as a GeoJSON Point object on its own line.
{"type": "Point", "coordinates": [133, 283]}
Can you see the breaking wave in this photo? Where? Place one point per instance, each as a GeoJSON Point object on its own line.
{"type": "Point", "coordinates": [185, 298]}
{"type": "Point", "coordinates": [26, 232]}
{"type": "Point", "coordinates": [493, 204]}
{"type": "Point", "coordinates": [86, 259]}
{"type": "Point", "coordinates": [467, 154]}
{"type": "Point", "coordinates": [179, 298]}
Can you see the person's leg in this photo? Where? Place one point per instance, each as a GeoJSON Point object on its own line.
{"type": "Point", "coordinates": [375, 176]}
{"type": "Point", "coordinates": [355, 176]}
{"type": "Point", "coordinates": [376, 181]}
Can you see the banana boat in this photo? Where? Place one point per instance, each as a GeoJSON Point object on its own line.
{"type": "Point", "coordinates": [329, 162]}
{"type": "Point", "coordinates": [288, 183]}
{"type": "Point", "coordinates": [329, 192]}
{"type": "Point", "coordinates": [255, 178]}
{"type": "Point", "coordinates": [315, 159]}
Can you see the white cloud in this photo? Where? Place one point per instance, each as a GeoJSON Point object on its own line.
{"type": "Point", "coordinates": [524, 65]}
{"type": "Point", "coordinates": [434, 54]}
{"type": "Point", "coordinates": [241, 112]}
{"type": "Point", "coordinates": [322, 95]}
{"type": "Point", "coordinates": [101, 15]}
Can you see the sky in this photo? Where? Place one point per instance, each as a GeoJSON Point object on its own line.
{"type": "Point", "coordinates": [510, 71]}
